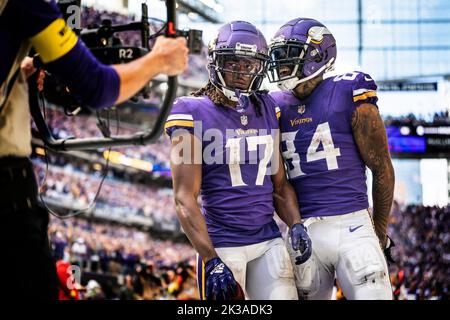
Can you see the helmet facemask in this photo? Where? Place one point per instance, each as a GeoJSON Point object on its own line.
{"type": "Point", "coordinates": [293, 61]}
{"type": "Point", "coordinates": [238, 70]}
{"type": "Point", "coordinates": [286, 61]}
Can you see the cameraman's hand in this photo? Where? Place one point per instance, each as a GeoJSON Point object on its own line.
{"type": "Point", "coordinates": [169, 56]}
{"type": "Point", "coordinates": [28, 69]}
{"type": "Point", "coordinates": [172, 54]}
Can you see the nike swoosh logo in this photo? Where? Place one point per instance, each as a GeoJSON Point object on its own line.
{"type": "Point", "coordinates": [355, 228]}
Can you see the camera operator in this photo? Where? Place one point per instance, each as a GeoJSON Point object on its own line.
{"type": "Point", "coordinates": [26, 266]}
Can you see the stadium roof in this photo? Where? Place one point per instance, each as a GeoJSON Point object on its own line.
{"type": "Point", "coordinates": [207, 9]}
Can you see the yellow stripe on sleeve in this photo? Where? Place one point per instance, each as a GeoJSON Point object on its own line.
{"type": "Point", "coordinates": [203, 281]}
{"type": "Point", "coordinates": [364, 96]}
{"type": "Point", "coordinates": [278, 114]}
{"type": "Point", "coordinates": [54, 41]}
{"type": "Point", "coordinates": [181, 123]}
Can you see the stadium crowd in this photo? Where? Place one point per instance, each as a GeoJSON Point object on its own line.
{"type": "Point", "coordinates": [436, 119]}
{"type": "Point", "coordinates": [119, 262]}
{"type": "Point", "coordinates": [422, 252]}
{"type": "Point", "coordinates": [83, 126]}
{"type": "Point", "coordinates": [71, 187]}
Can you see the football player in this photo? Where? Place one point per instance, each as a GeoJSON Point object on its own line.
{"type": "Point", "coordinates": [224, 147]}
{"type": "Point", "coordinates": [331, 130]}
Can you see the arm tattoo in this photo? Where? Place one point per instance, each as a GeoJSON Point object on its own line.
{"type": "Point", "coordinates": [370, 137]}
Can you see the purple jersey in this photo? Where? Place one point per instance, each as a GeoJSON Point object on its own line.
{"type": "Point", "coordinates": [238, 145]}
{"type": "Point", "coordinates": [322, 158]}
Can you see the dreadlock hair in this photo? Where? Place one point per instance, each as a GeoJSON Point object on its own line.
{"type": "Point", "coordinates": [219, 98]}
{"type": "Point", "coordinates": [212, 93]}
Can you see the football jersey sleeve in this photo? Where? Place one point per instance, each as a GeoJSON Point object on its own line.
{"type": "Point", "coordinates": [181, 118]}
{"type": "Point", "coordinates": [364, 90]}
{"type": "Point", "coordinates": [35, 16]}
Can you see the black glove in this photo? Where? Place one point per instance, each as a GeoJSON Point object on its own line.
{"type": "Point", "coordinates": [220, 282]}
{"type": "Point", "coordinates": [301, 243]}
{"type": "Point", "coordinates": [387, 250]}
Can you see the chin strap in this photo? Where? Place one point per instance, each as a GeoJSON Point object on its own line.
{"type": "Point", "coordinates": [230, 94]}
{"type": "Point", "coordinates": [234, 95]}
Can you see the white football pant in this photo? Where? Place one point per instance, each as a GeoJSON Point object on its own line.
{"type": "Point", "coordinates": [263, 270]}
{"type": "Point", "coordinates": [345, 247]}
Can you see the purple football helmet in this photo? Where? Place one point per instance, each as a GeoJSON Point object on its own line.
{"type": "Point", "coordinates": [239, 50]}
{"type": "Point", "coordinates": [300, 50]}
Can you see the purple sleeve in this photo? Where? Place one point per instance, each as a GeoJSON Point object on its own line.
{"type": "Point", "coordinates": [92, 83]}
{"type": "Point", "coordinates": [34, 15]}
{"type": "Point", "coordinates": [364, 90]}
{"type": "Point", "coordinates": [181, 118]}
{"type": "Point", "coordinates": [354, 89]}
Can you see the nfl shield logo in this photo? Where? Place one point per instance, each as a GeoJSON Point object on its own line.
{"type": "Point", "coordinates": [244, 120]}
{"type": "Point", "coordinates": [301, 109]}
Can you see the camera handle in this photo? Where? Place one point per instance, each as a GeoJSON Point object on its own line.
{"type": "Point", "coordinates": [143, 138]}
